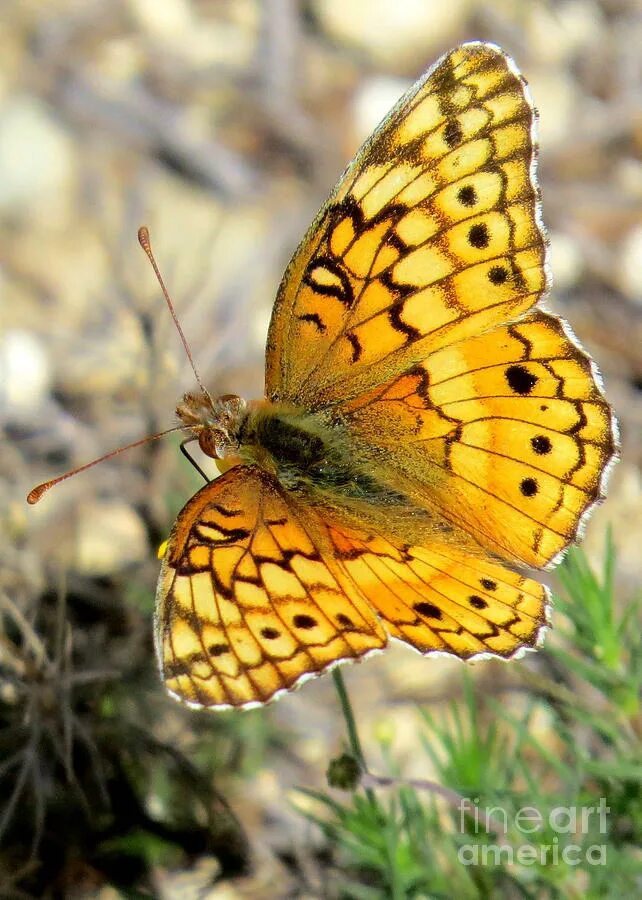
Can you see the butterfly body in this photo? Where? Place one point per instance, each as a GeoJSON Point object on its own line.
{"type": "Point", "coordinates": [427, 427]}
{"type": "Point", "coordinates": [315, 459]}
{"type": "Point", "coordinates": [297, 447]}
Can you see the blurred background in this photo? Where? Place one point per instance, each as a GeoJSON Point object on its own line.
{"type": "Point", "coordinates": [223, 125]}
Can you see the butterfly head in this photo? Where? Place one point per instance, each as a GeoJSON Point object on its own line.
{"type": "Point", "coordinates": [215, 423]}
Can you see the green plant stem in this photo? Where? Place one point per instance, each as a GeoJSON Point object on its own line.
{"type": "Point", "coordinates": [351, 725]}
{"type": "Point", "coordinates": [348, 715]}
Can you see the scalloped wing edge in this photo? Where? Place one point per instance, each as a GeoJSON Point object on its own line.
{"type": "Point", "coordinates": [517, 654]}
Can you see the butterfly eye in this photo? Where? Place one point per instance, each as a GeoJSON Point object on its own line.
{"type": "Point", "coordinates": [213, 442]}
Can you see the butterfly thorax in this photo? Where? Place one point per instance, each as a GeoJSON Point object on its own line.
{"type": "Point", "coordinates": [312, 455]}
{"type": "Point", "coordinates": [308, 453]}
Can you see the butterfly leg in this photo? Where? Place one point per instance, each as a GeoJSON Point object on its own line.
{"type": "Point", "coordinates": [191, 458]}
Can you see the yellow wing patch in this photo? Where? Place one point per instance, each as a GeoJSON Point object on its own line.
{"type": "Point", "coordinates": [252, 602]}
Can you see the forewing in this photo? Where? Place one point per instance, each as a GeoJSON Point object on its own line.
{"type": "Point", "coordinates": [432, 235]}
{"type": "Point", "coordinates": [251, 600]}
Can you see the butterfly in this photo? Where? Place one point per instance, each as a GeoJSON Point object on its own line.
{"type": "Point", "coordinates": [428, 429]}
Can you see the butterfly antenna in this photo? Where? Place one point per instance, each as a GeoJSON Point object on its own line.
{"type": "Point", "coordinates": [36, 493]}
{"type": "Point", "coordinates": [144, 241]}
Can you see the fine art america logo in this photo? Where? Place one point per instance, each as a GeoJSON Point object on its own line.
{"type": "Point", "coordinates": [547, 839]}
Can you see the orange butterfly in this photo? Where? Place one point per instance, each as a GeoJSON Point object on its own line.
{"type": "Point", "coordinates": [426, 425]}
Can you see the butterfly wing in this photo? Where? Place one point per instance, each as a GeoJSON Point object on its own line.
{"type": "Point", "coordinates": [251, 600]}
{"type": "Point", "coordinates": [432, 235]}
{"type": "Point", "coordinates": [395, 307]}
{"type": "Point", "coordinates": [506, 434]}
{"type": "Point", "coordinates": [443, 598]}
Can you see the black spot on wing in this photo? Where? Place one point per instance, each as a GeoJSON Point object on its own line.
{"type": "Point", "coordinates": [498, 274]}
{"type": "Point", "coordinates": [427, 609]}
{"type": "Point", "coordinates": [270, 634]}
{"type": "Point", "coordinates": [478, 235]}
{"type": "Point", "coordinates": [529, 487]}
{"type": "Point", "coordinates": [301, 620]}
{"type": "Point", "coordinates": [467, 195]}
{"type": "Point", "coordinates": [520, 380]}
{"type": "Point", "coordinates": [175, 669]}
{"type": "Point", "coordinates": [453, 133]}
{"type": "Point", "coordinates": [541, 444]}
